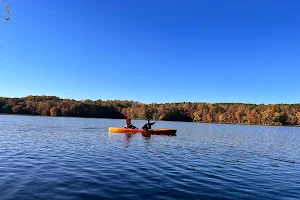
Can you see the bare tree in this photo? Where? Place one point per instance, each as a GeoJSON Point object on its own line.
{"type": "Point", "coordinates": [6, 5]}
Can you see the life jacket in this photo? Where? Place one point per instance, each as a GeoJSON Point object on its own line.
{"type": "Point", "coordinates": [128, 121]}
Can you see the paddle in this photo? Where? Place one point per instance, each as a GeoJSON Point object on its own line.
{"type": "Point", "coordinates": [160, 117]}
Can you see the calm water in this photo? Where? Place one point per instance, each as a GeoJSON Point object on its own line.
{"type": "Point", "coordinates": [76, 158]}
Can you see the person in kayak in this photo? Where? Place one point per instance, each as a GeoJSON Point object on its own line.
{"type": "Point", "coordinates": [148, 125]}
{"type": "Point", "coordinates": [129, 124]}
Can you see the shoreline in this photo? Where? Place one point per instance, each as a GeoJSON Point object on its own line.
{"type": "Point", "coordinates": [244, 124]}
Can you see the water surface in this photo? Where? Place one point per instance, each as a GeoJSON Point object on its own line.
{"type": "Point", "coordinates": [76, 158]}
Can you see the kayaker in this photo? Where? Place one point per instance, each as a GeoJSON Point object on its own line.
{"type": "Point", "coordinates": [148, 125]}
{"type": "Point", "coordinates": [129, 124]}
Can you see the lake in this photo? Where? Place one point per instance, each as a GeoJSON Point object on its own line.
{"type": "Point", "coordinates": [76, 158]}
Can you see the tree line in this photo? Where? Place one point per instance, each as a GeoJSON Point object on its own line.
{"type": "Point", "coordinates": [227, 113]}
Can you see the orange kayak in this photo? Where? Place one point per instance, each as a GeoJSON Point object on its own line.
{"type": "Point", "coordinates": [159, 131]}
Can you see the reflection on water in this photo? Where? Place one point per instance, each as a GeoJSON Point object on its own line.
{"type": "Point", "coordinates": [76, 158]}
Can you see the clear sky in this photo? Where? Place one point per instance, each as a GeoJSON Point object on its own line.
{"type": "Point", "coordinates": [153, 50]}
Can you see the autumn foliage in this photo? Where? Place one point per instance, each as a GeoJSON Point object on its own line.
{"type": "Point", "coordinates": [227, 113]}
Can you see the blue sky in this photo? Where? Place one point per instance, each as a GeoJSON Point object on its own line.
{"type": "Point", "coordinates": [153, 50]}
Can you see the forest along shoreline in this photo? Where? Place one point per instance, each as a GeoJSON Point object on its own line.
{"type": "Point", "coordinates": [219, 113]}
